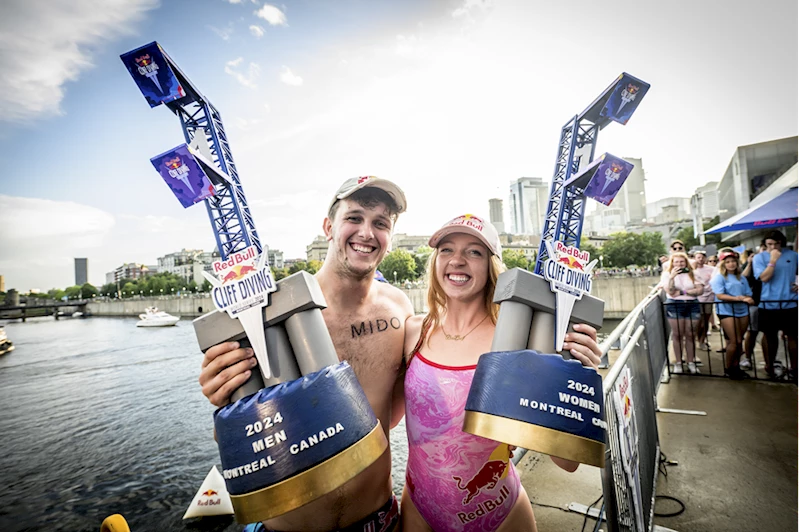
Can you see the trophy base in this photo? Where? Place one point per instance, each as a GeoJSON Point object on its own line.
{"type": "Point", "coordinates": [312, 483]}
{"type": "Point", "coordinates": [536, 438]}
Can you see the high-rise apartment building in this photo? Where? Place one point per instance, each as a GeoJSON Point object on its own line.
{"type": "Point", "coordinates": [529, 197]}
{"type": "Point", "coordinates": [706, 200]}
{"type": "Point", "coordinates": [81, 271]}
{"type": "Point", "coordinates": [495, 214]}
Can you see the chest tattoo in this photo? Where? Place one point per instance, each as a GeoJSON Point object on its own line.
{"type": "Point", "coordinates": [374, 326]}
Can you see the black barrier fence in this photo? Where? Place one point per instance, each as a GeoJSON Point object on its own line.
{"type": "Point", "coordinates": [689, 325]}
{"type": "Point", "coordinates": [632, 454]}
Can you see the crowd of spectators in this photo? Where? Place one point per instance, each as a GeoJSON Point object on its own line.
{"type": "Point", "coordinates": [748, 294]}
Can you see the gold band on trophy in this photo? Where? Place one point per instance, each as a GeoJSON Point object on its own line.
{"type": "Point", "coordinates": [312, 483]}
{"type": "Point", "coordinates": [536, 438]}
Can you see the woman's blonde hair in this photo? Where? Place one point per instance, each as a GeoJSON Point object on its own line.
{"type": "Point", "coordinates": [728, 252]}
{"type": "Point", "coordinates": [687, 264]}
{"type": "Point", "coordinates": [437, 299]}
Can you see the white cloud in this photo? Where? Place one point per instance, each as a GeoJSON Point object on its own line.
{"type": "Point", "coordinates": [246, 124]}
{"type": "Point", "coordinates": [272, 15]}
{"type": "Point", "coordinates": [465, 10]}
{"type": "Point", "coordinates": [407, 46]}
{"type": "Point", "coordinates": [223, 33]}
{"type": "Point", "coordinates": [45, 44]}
{"type": "Point", "coordinates": [253, 71]}
{"type": "Point", "coordinates": [257, 31]}
{"type": "Point", "coordinates": [233, 1]}
{"type": "Point", "coordinates": [50, 235]}
{"type": "Point", "coordinates": [290, 78]}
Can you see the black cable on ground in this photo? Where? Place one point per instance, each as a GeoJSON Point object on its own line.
{"type": "Point", "coordinates": [670, 498]}
{"type": "Point", "coordinates": [599, 521]}
{"type": "Point", "coordinates": [585, 519]}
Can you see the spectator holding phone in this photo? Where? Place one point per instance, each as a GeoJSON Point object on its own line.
{"type": "Point", "coordinates": [682, 309]}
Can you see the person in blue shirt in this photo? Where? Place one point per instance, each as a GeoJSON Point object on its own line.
{"type": "Point", "coordinates": [733, 297]}
{"type": "Point", "coordinates": [777, 269]}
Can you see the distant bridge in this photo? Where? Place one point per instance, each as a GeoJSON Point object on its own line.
{"type": "Point", "coordinates": [24, 312]}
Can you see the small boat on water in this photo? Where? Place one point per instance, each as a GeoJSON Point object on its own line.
{"type": "Point", "coordinates": [5, 345]}
{"type": "Point", "coordinates": [152, 317]}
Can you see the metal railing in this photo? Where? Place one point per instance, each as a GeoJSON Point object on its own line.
{"type": "Point", "coordinates": [632, 455]}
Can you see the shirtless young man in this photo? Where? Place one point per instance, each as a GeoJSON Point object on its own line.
{"type": "Point", "coordinates": [358, 228]}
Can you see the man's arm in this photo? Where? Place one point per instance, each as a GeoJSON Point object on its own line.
{"type": "Point", "coordinates": [768, 269]}
{"type": "Point", "coordinates": [413, 328]}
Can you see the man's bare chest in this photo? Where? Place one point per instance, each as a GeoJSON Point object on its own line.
{"type": "Point", "coordinates": [369, 340]}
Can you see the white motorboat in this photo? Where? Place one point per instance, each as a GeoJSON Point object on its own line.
{"type": "Point", "coordinates": [152, 317]}
{"type": "Point", "coordinates": [5, 345]}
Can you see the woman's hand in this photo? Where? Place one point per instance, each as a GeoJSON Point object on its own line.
{"type": "Point", "coordinates": [581, 343]}
{"type": "Point", "coordinates": [225, 367]}
{"type": "Point", "coordinates": [748, 300]}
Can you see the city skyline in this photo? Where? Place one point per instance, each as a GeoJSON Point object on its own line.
{"type": "Point", "coordinates": [450, 100]}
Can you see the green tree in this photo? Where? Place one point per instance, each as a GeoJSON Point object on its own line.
{"type": "Point", "coordinates": [298, 266]}
{"type": "Point", "coordinates": [314, 266]}
{"type": "Point", "coordinates": [280, 273]}
{"type": "Point", "coordinates": [421, 257]}
{"type": "Point", "coordinates": [593, 251]}
{"type": "Point", "coordinates": [514, 258]}
{"type": "Point", "coordinates": [88, 290]}
{"type": "Point", "coordinates": [399, 261]}
{"type": "Point", "coordinates": [686, 234]}
{"type": "Point", "coordinates": [128, 289]}
{"type": "Point", "coordinates": [626, 249]}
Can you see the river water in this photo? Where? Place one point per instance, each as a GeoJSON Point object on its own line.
{"type": "Point", "coordinates": [99, 417]}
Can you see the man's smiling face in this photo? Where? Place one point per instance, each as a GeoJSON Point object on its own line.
{"type": "Point", "coordinates": [359, 237]}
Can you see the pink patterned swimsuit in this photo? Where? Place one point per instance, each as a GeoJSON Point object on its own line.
{"type": "Point", "coordinates": [456, 480]}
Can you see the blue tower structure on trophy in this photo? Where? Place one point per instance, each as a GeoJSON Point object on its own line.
{"type": "Point", "coordinates": [301, 426]}
{"type": "Point", "coordinates": [527, 392]}
{"type": "Point", "coordinates": [577, 176]}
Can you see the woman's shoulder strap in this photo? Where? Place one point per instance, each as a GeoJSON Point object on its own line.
{"type": "Point", "coordinates": [425, 329]}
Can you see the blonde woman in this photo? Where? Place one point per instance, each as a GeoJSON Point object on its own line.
{"type": "Point", "coordinates": [734, 296]}
{"type": "Point", "coordinates": [682, 309]}
{"type": "Point", "coordinates": [442, 349]}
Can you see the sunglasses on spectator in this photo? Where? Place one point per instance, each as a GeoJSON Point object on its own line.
{"type": "Point", "coordinates": [713, 261]}
{"type": "Point", "coordinates": [677, 248]}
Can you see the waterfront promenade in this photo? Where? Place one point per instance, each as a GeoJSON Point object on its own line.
{"type": "Point", "coordinates": [620, 294]}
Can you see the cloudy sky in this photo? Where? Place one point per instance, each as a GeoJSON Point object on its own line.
{"type": "Point", "coordinates": [452, 99]}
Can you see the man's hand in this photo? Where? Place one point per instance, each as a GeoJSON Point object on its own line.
{"type": "Point", "coordinates": [581, 343]}
{"type": "Point", "coordinates": [775, 255]}
{"type": "Point", "coordinates": [225, 367]}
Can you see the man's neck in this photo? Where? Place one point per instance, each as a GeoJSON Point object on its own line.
{"type": "Point", "coordinates": [341, 290]}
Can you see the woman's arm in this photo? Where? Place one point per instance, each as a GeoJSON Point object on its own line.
{"type": "Point", "coordinates": [413, 330]}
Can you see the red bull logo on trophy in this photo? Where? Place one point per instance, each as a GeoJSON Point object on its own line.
{"type": "Point", "coordinates": [241, 288]}
{"type": "Point", "coordinates": [569, 274]}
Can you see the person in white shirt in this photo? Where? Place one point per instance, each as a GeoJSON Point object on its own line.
{"type": "Point", "coordinates": [703, 273]}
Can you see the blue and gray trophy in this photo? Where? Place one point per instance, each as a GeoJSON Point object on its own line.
{"type": "Point", "coordinates": [526, 392]}
{"type": "Point", "coordinates": [301, 426]}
